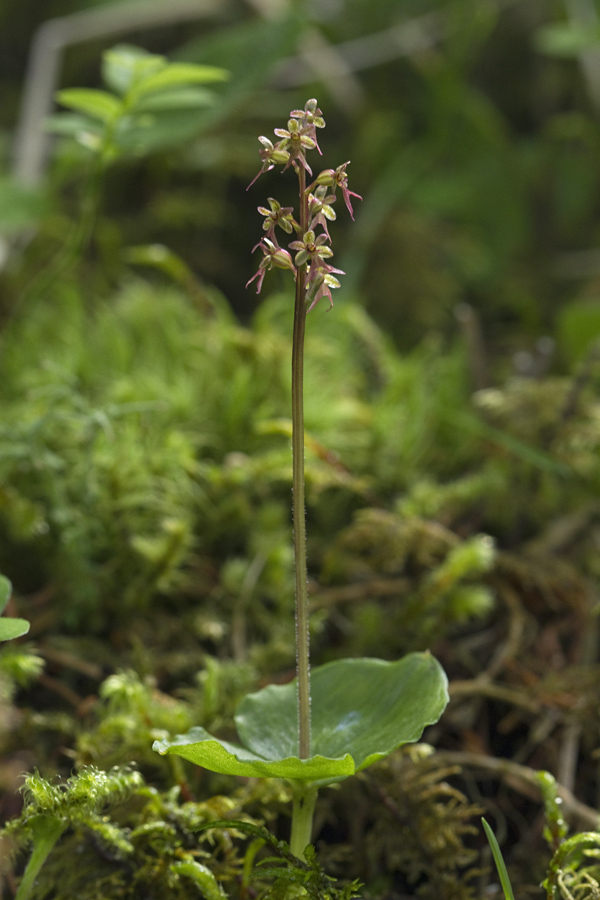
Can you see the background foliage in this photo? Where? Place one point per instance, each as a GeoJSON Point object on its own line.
{"type": "Point", "coordinates": [453, 429]}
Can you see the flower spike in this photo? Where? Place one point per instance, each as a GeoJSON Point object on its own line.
{"type": "Point", "coordinates": [310, 266]}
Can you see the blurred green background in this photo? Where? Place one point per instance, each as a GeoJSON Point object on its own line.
{"type": "Point", "coordinates": [473, 134]}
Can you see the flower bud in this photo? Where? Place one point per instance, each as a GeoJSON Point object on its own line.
{"type": "Point", "coordinates": [327, 176]}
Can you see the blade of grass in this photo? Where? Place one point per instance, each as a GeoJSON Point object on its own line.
{"type": "Point", "coordinates": [498, 859]}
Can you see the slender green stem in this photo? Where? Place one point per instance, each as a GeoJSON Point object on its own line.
{"type": "Point", "coordinates": [305, 797]}
{"type": "Point", "coordinates": [299, 514]}
{"type": "Point", "coordinates": [46, 831]}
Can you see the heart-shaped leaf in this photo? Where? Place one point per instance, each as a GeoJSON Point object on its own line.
{"type": "Point", "coordinates": [362, 710]}
{"type": "Point", "coordinates": [364, 707]}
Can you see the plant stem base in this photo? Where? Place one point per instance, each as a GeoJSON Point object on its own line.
{"type": "Point", "coordinates": [305, 797]}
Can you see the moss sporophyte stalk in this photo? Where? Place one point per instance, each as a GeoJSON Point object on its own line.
{"type": "Point", "coordinates": [347, 714]}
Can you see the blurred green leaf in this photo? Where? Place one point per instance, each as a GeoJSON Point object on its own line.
{"type": "Point", "coordinates": [177, 74]}
{"type": "Point", "coordinates": [160, 105]}
{"type": "Point", "coordinates": [567, 40]}
{"type": "Point", "coordinates": [149, 132]}
{"type": "Point", "coordinates": [124, 64]}
{"type": "Point", "coordinates": [13, 628]}
{"type": "Point", "coordinates": [97, 104]}
{"type": "Point", "coordinates": [181, 98]}
{"type": "Point", "coordinates": [73, 124]}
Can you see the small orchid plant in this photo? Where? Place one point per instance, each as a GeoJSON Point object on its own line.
{"type": "Point", "coordinates": [314, 279]}
{"type": "Point", "coordinates": [343, 716]}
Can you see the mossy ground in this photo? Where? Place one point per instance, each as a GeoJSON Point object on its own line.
{"type": "Point", "coordinates": [145, 487]}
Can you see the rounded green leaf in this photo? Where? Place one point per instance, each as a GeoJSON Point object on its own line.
{"type": "Point", "coordinates": [13, 628]}
{"type": "Point", "coordinates": [362, 710]}
{"type": "Point", "coordinates": [201, 748]}
{"type": "Point", "coordinates": [364, 707]}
